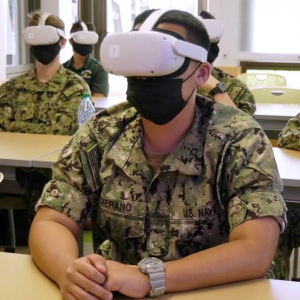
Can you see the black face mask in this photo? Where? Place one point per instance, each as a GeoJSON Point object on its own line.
{"type": "Point", "coordinates": [82, 50]}
{"type": "Point", "coordinates": [158, 99]}
{"type": "Point", "coordinates": [45, 54]}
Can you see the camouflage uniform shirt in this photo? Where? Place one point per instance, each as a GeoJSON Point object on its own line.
{"type": "Point", "coordinates": [222, 173]}
{"type": "Point", "coordinates": [289, 137]}
{"type": "Point", "coordinates": [49, 108]}
{"type": "Point", "coordinates": [238, 92]}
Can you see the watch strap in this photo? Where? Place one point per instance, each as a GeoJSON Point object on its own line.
{"type": "Point", "coordinates": [157, 281]}
{"type": "Point", "coordinates": [220, 88]}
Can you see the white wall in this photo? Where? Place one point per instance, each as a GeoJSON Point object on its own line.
{"type": "Point", "coordinates": [3, 24]}
{"type": "Point", "coordinates": [230, 39]}
{"type": "Point", "coordinates": [64, 10]}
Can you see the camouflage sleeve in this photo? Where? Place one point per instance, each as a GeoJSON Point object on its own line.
{"type": "Point", "coordinates": [242, 97]}
{"type": "Point", "coordinates": [253, 184]}
{"type": "Point", "coordinates": [237, 91]}
{"type": "Point", "coordinates": [64, 121]}
{"type": "Point", "coordinates": [7, 93]}
{"type": "Point", "coordinates": [289, 137]}
{"type": "Point", "coordinates": [70, 191]}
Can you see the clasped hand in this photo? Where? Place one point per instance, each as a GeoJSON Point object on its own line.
{"type": "Point", "coordinates": [92, 277]}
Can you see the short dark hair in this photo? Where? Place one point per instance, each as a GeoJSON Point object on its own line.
{"type": "Point", "coordinates": [78, 27]}
{"type": "Point", "coordinates": [214, 49]}
{"type": "Point", "coordinates": [206, 15]}
{"type": "Point", "coordinates": [196, 32]}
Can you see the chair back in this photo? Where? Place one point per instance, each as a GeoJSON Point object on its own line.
{"type": "Point", "coordinates": [273, 95]}
{"type": "Point", "coordinates": [262, 79]}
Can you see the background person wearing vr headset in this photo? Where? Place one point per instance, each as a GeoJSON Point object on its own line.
{"type": "Point", "coordinates": [184, 187]}
{"type": "Point", "coordinates": [289, 138]}
{"type": "Point", "coordinates": [83, 37]}
{"type": "Point", "coordinates": [43, 101]}
{"type": "Point", "coordinates": [221, 82]}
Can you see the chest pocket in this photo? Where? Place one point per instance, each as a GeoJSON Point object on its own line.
{"type": "Point", "coordinates": [48, 108]}
{"type": "Point", "coordinates": [120, 218]}
{"type": "Point", "coordinates": [24, 108]}
{"type": "Point", "coordinates": [196, 228]}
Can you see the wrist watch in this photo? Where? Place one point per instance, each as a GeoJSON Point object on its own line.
{"type": "Point", "coordinates": [155, 269]}
{"type": "Point", "coordinates": [220, 88]}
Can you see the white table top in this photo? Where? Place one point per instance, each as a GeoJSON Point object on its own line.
{"type": "Point", "coordinates": [21, 279]}
{"type": "Point", "coordinates": [19, 149]}
{"type": "Point", "coordinates": [276, 111]}
{"type": "Point", "coordinates": [288, 162]}
{"type": "Point", "coordinates": [105, 102]}
{"type": "Point", "coordinates": [46, 161]}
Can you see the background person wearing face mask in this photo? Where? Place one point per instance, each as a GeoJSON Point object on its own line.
{"type": "Point", "coordinates": [237, 92]}
{"type": "Point", "coordinates": [44, 100]}
{"type": "Point", "coordinates": [83, 64]}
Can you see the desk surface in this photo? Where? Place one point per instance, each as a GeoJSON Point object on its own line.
{"type": "Point", "coordinates": [46, 161]}
{"type": "Point", "coordinates": [288, 162]}
{"type": "Point", "coordinates": [105, 102]}
{"type": "Point", "coordinates": [20, 277]}
{"type": "Point", "coordinates": [276, 111]}
{"type": "Point", "coordinates": [19, 149]}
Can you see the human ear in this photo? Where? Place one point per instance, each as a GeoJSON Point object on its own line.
{"type": "Point", "coordinates": [203, 74]}
{"type": "Point", "coordinates": [63, 42]}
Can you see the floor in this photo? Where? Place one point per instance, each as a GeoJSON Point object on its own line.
{"type": "Point", "coordinates": [88, 249]}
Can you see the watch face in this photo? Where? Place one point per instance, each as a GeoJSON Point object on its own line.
{"type": "Point", "coordinates": [222, 87]}
{"type": "Point", "coordinates": [152, 262]}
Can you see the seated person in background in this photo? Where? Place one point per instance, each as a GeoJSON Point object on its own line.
{"type": "Point", "coordinates": [237, 91]}
{"type": "Point", "coordinates": [82, 63]}
{"type": "Point", "coordinates": [43, 101]}
{"type": "Point", "coordinates": [289, 138]}
{"type": "Point", "coordinates": [190, 185]}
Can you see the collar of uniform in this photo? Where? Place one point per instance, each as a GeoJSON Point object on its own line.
{"type": "Point", "coordinates": [128, 154]}
{"type": "Point", "coordinates": [53, 85]}
{"type": "Point", "coordinates": [187, 156]}
{"type": "Point", "coordinates": [88, 62]}
{"type": "Point", "coordinates": [86, 66]}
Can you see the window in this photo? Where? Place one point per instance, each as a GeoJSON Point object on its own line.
{"type": "Point", "coordinates": [16, 50]}
{"type": "Point", "coordinates": [260, 30]}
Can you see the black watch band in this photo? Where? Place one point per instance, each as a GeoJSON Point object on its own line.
{"type": "Point", "coordinates": [220, 88]}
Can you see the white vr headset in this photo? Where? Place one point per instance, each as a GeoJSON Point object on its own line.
{"type": "Point", "coordinates": [214, 29]}
{"type": "Point", "coordinates": [84, 37]}
{"type": "Point", "coordinates": [42, 34]}
{"type": "Point", "coordinates": [154, 53]}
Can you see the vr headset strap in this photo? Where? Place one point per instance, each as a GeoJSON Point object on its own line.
{"type": "Point", "coordinates": [152, 20]}
{"type": "Point", "coordinates": [44, 17]}
{"type": "Point", "coordinates": [84, 27]}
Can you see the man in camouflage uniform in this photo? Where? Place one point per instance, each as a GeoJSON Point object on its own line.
{"type": "Point", "coordinates": [201, 192]}
{"type": "Point", "coordinates": [237, 91]}
{"type": "Point", "coordinates": [289, 138]}
{"type": "Point", "coordinates": [43, 101]}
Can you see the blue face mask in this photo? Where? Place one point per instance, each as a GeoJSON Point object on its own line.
{"type": "Point", "coordinates": [158, 99]}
